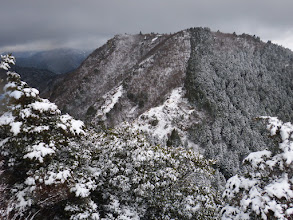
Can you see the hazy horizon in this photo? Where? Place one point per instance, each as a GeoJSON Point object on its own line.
{"type": "Point", "coordinates": [43, 25]}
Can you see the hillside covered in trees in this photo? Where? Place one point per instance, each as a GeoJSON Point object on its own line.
{"type": "Point", "coordinates": [209, 87]}
{"type": "Point", "coordinates": [174, 127]}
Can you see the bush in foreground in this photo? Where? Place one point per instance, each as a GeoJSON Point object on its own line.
{"type": "Point", "coordinates": [53, 168]}
{"type": "Point", "coordinates": [265, 191]}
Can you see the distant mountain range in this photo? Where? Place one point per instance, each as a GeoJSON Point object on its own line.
{"type": "Point", "coordinates": [58, 61]}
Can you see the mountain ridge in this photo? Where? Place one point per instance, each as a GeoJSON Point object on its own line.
{"type": "Point", "coordinates": [228, 80]}
{"type": "Point", "coordinates": [59, 61]}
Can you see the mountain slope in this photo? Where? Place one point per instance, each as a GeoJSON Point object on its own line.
{"type": "Point", "coordinates": [221, 84]}
{"type": "Point", "coordinates": [37, 78]}
{"type": "Point", "coordinates": [236, 79]}
{"type": "Point", "coordinates": [58, 61]}
{"type": "Point", "coordinates": [147, 67]}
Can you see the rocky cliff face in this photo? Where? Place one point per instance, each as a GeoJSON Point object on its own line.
{"type": "Point", "coordinates": [196, 88]}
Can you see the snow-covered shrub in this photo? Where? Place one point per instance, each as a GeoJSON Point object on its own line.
{"type": "Point", "coordinates": [41, 159]}
{"type": "Point", "coordinates": [136, 180]}
{"type": "Point", "coordinates": [6, 60]}
{"type": "Point", "coordinates": [50, 167]}
{"type": "Point", "coordinates": [265, 191]}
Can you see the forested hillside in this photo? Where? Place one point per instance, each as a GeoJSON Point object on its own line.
{"type": "Point", "coordinates": [228, 80]}
{"type": "Point", "coordinates": [175, 126]}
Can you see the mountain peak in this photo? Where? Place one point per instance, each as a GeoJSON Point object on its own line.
{"type": "Point", "coordinates": [226, 79]}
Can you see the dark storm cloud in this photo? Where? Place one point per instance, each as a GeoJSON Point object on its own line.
{"type": "Point", "coordinates": [34, 24]}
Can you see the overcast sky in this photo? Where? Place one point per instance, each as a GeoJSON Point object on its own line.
{"type": "Point", "coordinates": [46, 24]}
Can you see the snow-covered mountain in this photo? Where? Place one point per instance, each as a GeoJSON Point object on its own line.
{"type": "Point", "coordinates": [196, 88]}
{"type": "Point", "coordinates": [146, 68]}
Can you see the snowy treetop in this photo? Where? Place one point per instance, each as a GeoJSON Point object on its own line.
{"type": "Point", "coordinates": [5, 61]}
{"type": "Point", "coordinates": [266, 189]}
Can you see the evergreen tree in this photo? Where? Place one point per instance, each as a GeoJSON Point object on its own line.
{"type": "Point", "coordinates": [40, 152]}
{"type": "Point", "coordinates": [137, 180]}
{"type": "Point", "coordinates": [265, 191]}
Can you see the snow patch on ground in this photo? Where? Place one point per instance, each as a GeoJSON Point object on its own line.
{"type": "Point", "coordinates": [147, 60]}
{"type": "Point", "coordinates": [111, 98]}
{"type": "Point", "coordinates": [175, 113]}
{"type": "Point", "coordinates": [154, 39]}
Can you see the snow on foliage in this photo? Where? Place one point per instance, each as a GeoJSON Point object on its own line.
{"type": "Point", "coordinates": [51, 166]}
{"type": "Point", "coordinates": [39, 151]}
{"type": "Point", "coordinates": [265, 191]}
{"type": "Point", "coordinates": [5, 61]}
{"type": "Point", "coordinates": [152, 182]}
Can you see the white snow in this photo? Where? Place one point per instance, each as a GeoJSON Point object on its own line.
{"type": "Point", "coordinates": [16, 94]}
{"type": "Point", "coordinates": [63, 126]}
{"type": "Point", "coordinates": [273, 125]}
{"type": "Point", "coordinates": [44, 105]}
{"type": "Point", "coordinates": [256, 158]}
{"type": "Point", "coordinates": [286, 130]}
{"type": "Point", "coordinates": [111, 98]}
{"type": "Point", "coordinates": [175, 113]}
{"type": "Point", "coordinates": [83, 189]}
{"type": "Point", "coordinates": [26, 113]}
{"type": "Point", "coordinates": [154, 39]}
{"type": "Point", "coordinates": [289, 211]}
{"type": "Point", "coordinates": [5, 61]}
{"type": "Point", "coordinates": [41, 128]}
{"type": "Point", "coordinates": [148, 60]}
{"type": "Point", "coordinates": [23, 201]}
{"type": "Point", "coordinates": [54, 178]}
{"type": "Point", "coordinates": [280, 188]}
{"type": "Point", "coordinates": [31, 92]}
{"type": "Point", "coordinates": [30, 181]}
{"type": "Point", "coordinates": [39, 151]}
{"type": "Point", "coordinates": [15, 127]}
{"type": "Point", "coordinates": [266, 189]}
{"type": "Point", "coordinates": [75, 126]}
{"type": "Point", "coordinates": [9, 85]}
{"type": "Point", "coordinates": [6, 118]}
{"type": "Point", "coordinates": [4, 141]}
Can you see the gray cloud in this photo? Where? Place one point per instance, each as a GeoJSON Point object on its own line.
{"type": "Point", "coordinates": [34, 24]}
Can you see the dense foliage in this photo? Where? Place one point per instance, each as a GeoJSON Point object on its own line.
{"type": "Point", "coordinates": [265, 190]}
{"type": "Point", "coordinates": [53, 168]}
{"type": "Point", "coordinates": [40, 155]}
{"type": "Point", "coordinates": [151, 182]}
{"type": "Point", "coordinates": [236, 79]}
